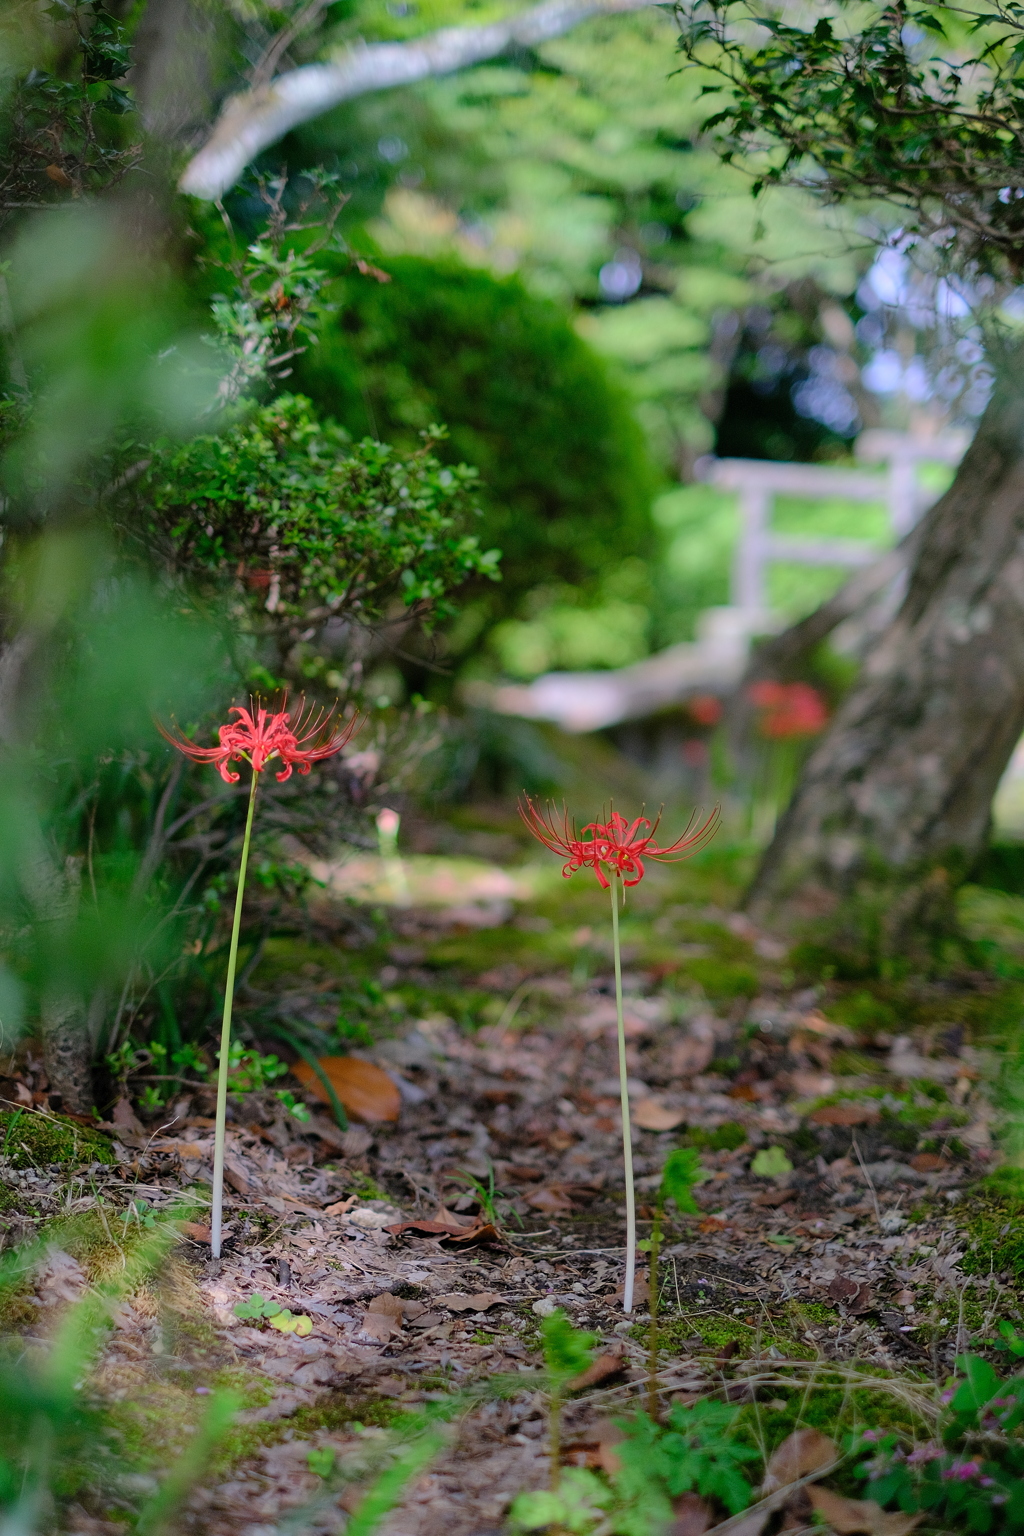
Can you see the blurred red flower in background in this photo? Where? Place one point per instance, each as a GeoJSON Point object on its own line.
{"type": "Point", "coordinates": [788, 709]}
{"type": "Point", "coordinates": [704, 709]}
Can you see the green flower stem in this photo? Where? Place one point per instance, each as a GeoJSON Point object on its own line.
{"type": "Point", "coordinates": [627, 1139]}
{"type": "Point", "coordinates": [217, 1212]}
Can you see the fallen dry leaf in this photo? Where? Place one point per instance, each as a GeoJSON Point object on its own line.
{"type": "Point", "coordinates": [367, 1092]}
{"type": "Point", "coordinates": [928, 1162]}
{"type": "Point", "coordinates": [59, 1278]}
{"type": "Point", "coordinates": [608, 1436]}
{"type": "Point", "coordinates": [356, 1140]}
{"type": "Point", "coordinates": [380, 1326]}
{"type": "Point", "coordinates": [237, 1175]}
{"type": "Point", "coordinates": [652, 1115]}
{"type": "Point", "coordinates": [848, 1515]}
{"type": "Point", "coordinates": [600, 1370]}
{"type": "Point", "coordinates": [774, 1197]}
{"type": "Point", "coordinates": [484, 1233]}
{"type": "Point", "coordinates": [387, 1305]}
{"type": "Point", "coordinates": [641, 1290]}
{"type": "Point", "coordinates": [184, 1149]}
{"type": "Point", "coordinates": [522, 1172]}
{"type": "Point", "coordinates": [196, 1231]}
{"type": "Point", "coordinates": [854, 1295]}
{"type": "Point", "coordinates": [691, 1055]}
{"type": "Point", "coordinates": [844, 1114]}
{"type": "Point", "coordinates": [805, 1450]}
{"type": "Point", "coordinates": [457, 1302]}
{"type": "Point", "coordinates": [551, 1200]}
{"type": "Point", "coordinates": [125, 1118]}
{"type": "Point", "coordinates": [691, 1516]}
{"type": "Point", "coordinates": [340, 1207]}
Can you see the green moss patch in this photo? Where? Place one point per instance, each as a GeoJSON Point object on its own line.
{"type": "Point", "coordinates": [726, 1138]}
{"type": "Point", "coordinates": [722, 978]}
{"type": "Point", "coordinates": [994, 1221]}
{"type": "Point", "coordinates": [831, 1406]}
{"type": "Point", "coordinates": [32, 1140]}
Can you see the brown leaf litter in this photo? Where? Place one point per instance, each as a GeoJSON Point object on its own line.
{"type": "Point", "coordinates": [377, 1236]}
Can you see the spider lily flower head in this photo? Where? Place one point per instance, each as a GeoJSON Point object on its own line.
{"type": "Point", "coordinates": [615, 845]}
{"type": "Point", "coordinates": [259, 736]}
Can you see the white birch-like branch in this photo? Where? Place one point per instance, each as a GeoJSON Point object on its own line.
{"type": "Point", "coordinates": [252, 120]}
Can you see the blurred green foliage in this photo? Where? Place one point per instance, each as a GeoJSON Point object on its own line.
{"type": "Point", "coordinates": [565, 479]}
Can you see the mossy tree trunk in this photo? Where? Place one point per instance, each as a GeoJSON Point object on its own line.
{"type": "Point", "coordinates": [894, 805]}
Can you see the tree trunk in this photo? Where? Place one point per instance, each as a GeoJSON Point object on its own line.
{"type": "Point", "coordinates": [894, 805]}
{"type": "Point", "coordinates": [64, 1019]}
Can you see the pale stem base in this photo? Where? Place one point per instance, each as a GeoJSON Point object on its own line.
{"type": "Point", "coordinates": [217, 1207]}
{"type": "Point", "coordinates": [627, 1134]}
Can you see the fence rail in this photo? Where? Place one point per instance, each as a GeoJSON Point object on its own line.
{"type": "Point", "coordinates": [759, 481]}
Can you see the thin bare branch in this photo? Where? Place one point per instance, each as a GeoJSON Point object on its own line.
{"type": "Point", "coordinates": [249, 122]}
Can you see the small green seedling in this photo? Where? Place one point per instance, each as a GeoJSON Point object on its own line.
{"type": "Point", "coordinates": [1011, 1340]}
{"type": "Point", "coordinates": [258, 1310]}
{"type": "Point", "coordinates": [771, 1163]}
{"type": "Point", "coordinates": [293, 1105]}
{"type": "Point", "coordinates": [683, 1169]}
{"type": "Point", "coordinates": [320, 1460]}
{"type": "Point", "coordinates": [568, 1351]}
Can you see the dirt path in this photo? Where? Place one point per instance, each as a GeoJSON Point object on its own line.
{"type": "Point", "coordinates": [831, 1231]}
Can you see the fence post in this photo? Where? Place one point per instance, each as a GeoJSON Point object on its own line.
{"type": "Point", "coordinates": [755, 505]}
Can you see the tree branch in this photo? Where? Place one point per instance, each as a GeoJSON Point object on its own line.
{"type": "Point", "coordinates": [251, 121]}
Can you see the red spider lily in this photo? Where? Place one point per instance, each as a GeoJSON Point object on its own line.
{"type": "Point", "coordinates": [617, 844]}
{"type": "Point", "coordinates": [789, 709]}
{"type": "Point", "coordinates": [704, 709]}
{"type": "Point", "coordinates": [258, 736]}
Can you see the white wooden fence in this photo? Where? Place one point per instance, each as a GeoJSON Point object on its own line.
{"type": "Point", "coordinates": [714, 662]}
{"type": "Point", "coordinates": [759, 481]}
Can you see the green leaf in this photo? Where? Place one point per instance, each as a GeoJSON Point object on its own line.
{"type": "Point", "coordinates": [771, 1163]}
{"type": "Point", "coordinates": [683, 1169]}
{"type": "Point", "coordinates": [980, 1386]}
{"type": "Point", "coordinates": [567, 1350]}
{"type": "Point", "coordinates": [320, 1460]}
{"type": "Point", "coordinates": [575, 1506]}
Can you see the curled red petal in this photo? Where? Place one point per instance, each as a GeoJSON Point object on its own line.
{"type": "Point", "coordinates": [690, 841]}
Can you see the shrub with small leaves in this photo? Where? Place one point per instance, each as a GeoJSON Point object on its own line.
{"type": "Point", "coordinates": [296, 526]}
